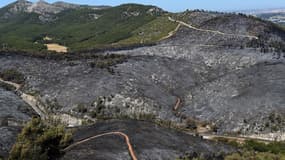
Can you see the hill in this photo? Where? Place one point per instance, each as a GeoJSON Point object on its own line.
{"type": "Point", "coordinates": [216, 75]}
{"type": "Point", "coordinates": [24, 25]}
{"type": "Point", "coordinates": [30, 26]}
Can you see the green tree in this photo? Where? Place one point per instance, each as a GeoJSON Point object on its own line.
{"type": "Point", "coordinates": [39, 141]}
{"type": "Point", "coordinates": [12, 75]}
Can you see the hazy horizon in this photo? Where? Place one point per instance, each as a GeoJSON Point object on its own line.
{"type": "Point", "coordinates": [172, 6]}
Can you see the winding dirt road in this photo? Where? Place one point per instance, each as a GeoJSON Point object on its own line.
{"type": "Point", "coordinates": [170, 34]}
{"type": "Point", "coordinates": [211, 31]}
{"type": "Point", "coordinates": [234, 138]}
{"type": "Point", "coordinates": [17, 86]}
{"type": "Point", "coordinates": [127, 139]}
{"type": "Point", "coordinates": [40, 108]}
{"type": "Point", "coordinates": [29, 99]}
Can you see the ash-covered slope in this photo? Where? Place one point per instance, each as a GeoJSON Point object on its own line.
{"type": "Point", "coordinates": [13, 114]}
{"type": "Point", "coordinates": [148, 140]}
{"type": "Point", "coordinates": [240, 85]}
{"type": "Point", "coordinates": [220, 79]}
{"type": "Point", "coordinates": [229, 30]}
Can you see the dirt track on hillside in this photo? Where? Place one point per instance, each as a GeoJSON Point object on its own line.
{"type": "Point", "coordinates": [212, 31]}
{"type": "Point", "coordinates": [131, 150]}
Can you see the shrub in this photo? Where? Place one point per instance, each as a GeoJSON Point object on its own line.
{"type": "Point", "coordinates": [53, 104]}
{"type": "Point", "coordinates": [7, 87]}
{"type": "Point", "coordinates": [99, 107]}
{"type": "Point", "coordinates": [191, 124]}
{"type": "Point", "coordinates": [39, 141]}
{"type": "Point", "coordinates": [12, 75]}
{"type": "Point", "coordinates": [201, 156]}
{"type": "Point", "coordinates": [93, 114]}
{"type": "Point", "coordinates": [274, 147]}
{"type": "Point", "coordinates": [81, 108]}
{"type": "Point", "coordinates": [251, 155]}
{"type": "Point", "coordinates": [255, 150]}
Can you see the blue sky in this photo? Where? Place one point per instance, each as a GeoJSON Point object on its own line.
{"type": "Point", "coordinates": [181, 5]}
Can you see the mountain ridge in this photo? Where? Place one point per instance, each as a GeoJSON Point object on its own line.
{"type": "Point", "coordinates": [43, 7]}
{"type": "Point", "coordinates": [85, 28]}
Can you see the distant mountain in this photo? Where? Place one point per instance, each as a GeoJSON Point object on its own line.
{"type": "Point", "coordinates": [263, 11]}
{"type": "Point", "coordinates": [14, 8]}
{"type": "Point", "coordinates": [276, 15]}
{"type": "Point", "coordinates": [42, 7]}
{"type": "Point", "coordinates": [19, 6]}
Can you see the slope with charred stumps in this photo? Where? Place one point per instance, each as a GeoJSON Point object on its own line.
{"type": "Point", "coordinates": [13, 114]}
{"type": "Point", "coordinates": [149, 142]}
{"type": "Point", "coordinates": [220, 80]}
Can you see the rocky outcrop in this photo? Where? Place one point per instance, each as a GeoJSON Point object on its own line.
{"type": "Point", "coordinates": [42, 7]}
{"type": "Point", "coordinates": [46, 11]}
{"type": "Point", "coordinates": [19, 6]}
{"type": "Point", "coordinates": [65, 5]}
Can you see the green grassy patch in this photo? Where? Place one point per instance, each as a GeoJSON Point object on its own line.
{"type": "Point", "coordinates": [151, 32]}
{"type": "Point", "coordinates": [255, 150]}
{"type": "Point", "coordinates": [250, 155]}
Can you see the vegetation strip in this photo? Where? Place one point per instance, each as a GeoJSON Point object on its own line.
{"type": "Point", "coordinates": [232, 138]}
{"type": "Point", "coordinates": [131, 150]}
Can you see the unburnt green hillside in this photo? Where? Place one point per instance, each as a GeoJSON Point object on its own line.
{"type": "Point", "coordinates": [81, 28]}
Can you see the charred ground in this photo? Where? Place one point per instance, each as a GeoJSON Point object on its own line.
{"type": "Point", "coordinates": [226, 79]}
